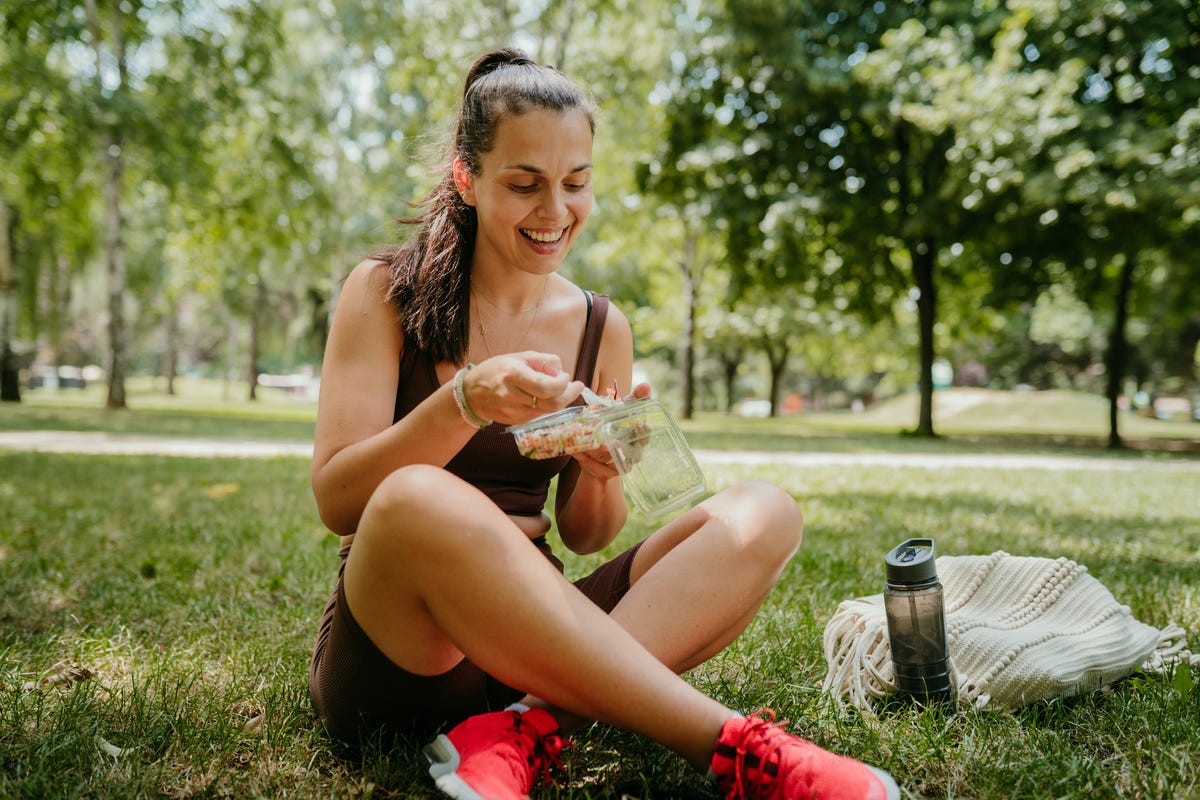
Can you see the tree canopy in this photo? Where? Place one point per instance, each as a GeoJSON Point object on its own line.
{"type": "Point", "coordinates": [785, 179]}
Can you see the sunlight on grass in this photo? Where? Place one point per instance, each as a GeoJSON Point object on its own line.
{"type": "Point", "coordinates": [188, 592]}
{"type": "Point", "coordinates": [1015, 421]}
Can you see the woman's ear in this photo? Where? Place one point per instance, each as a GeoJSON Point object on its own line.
{"type": "Point", "coordinates": [462, 181]}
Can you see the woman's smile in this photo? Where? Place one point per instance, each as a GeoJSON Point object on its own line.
{"type": "Point", "coordinates": [545, 241]}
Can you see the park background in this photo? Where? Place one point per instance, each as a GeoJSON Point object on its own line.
{"type": "Point", "coordinates": [959, 235]}
{"type": "Point", "coordinates": [805, 203]}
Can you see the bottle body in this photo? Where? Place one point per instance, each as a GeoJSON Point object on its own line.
{"type": "Point", "coordinates": [916, 621]}
{"type": "Point", "coordinates": [917, 633]}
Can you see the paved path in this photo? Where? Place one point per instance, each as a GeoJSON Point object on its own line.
{"type": "Point", "coordinates": [130, 444]}
{"type": "Point", "coordinates": [137, 444]}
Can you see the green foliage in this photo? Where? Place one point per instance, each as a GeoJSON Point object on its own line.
{"type": "Point", "coordinates": [969, 153]}
{"type": "Point", "coordinates": [929, 144]}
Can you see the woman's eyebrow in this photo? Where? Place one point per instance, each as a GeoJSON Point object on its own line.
{"type": "Point", "coordinates": [538, 171]}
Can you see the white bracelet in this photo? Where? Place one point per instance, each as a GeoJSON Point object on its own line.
{"type": "Point", "coordinates": [460, 400]}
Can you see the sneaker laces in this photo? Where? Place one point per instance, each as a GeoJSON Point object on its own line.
{"type": "Point", "coordinates": [758, 755]}
{"type": "Point", "coordinates": [541, 752]}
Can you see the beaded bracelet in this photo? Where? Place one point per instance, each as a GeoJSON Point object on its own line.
{"type": "Point", "coordinates": [460, 400]}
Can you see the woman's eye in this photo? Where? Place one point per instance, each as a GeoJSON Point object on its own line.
{"type": "Point", "coordinates": [524, 187]}
{"type": "Point", "coordinates": [576, 187]}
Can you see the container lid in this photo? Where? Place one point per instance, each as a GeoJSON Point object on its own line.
{"type": "Point", "coordinates": [912, 562]}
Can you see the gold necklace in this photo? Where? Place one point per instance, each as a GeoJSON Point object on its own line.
{"type": "Point", "coordinates": [483, 326]}
{"type": "Point", "coordinates": [505, 311]}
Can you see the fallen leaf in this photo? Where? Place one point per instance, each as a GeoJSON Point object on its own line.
{"type": "Point", "coordinates": [111, 749]}
{"type": "Point", "coordinates": [68, 672]}
{"type": "Point", "coordinates": [219, 490]}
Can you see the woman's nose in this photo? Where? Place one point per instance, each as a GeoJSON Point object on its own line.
{"type": "Point", "coordinates": [554, 203]}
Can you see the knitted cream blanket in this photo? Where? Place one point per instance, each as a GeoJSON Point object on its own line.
{"type": "Point", "coordinates": [1020, 629]}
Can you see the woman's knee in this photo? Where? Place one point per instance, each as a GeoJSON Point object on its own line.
{"type": "Point", "coordinates": [403, 508]}
{"type": "Point", "coordinates": [774, 520]}
{"type": "Point", "coordinates": [406, 491]}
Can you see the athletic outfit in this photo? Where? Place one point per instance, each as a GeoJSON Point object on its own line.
{"type": "Point", "coordinates": [355, 688]}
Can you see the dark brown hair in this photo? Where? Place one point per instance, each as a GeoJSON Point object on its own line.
{"type": "Point", "coordinates": [430, 271]}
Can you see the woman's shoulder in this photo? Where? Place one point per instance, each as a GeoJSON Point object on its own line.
{"type": "Point", "coordinates": [616, 331]}
{"type": "Point", "coordinates": [363, 303]}
{"type": "Point", "coordinates": [370, 279]}
{"type": "Point", "coordinates": [370, 273]}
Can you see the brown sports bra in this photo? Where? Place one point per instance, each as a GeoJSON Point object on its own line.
{"type": "Point", "coordinates": [489, 460]}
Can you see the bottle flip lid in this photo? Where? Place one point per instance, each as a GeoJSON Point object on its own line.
{"type": "Point", "coordinates": [912, 562]}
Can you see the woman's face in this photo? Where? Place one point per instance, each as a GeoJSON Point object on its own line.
{"type": "Point", "coordinates": [533, 192]}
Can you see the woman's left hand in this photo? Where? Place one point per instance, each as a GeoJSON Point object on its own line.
{"type": "Point", "coordinates": [599, 462]}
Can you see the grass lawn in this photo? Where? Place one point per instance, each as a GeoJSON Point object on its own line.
{"type": "Point", "coordinates": [156, 616]}
{"type": "Point", "coordinates": [965, 419]}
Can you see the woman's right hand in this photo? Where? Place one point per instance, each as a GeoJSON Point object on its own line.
{"type": "Point", "coordinates": [518, 387]}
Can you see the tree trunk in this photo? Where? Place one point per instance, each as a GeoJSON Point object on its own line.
{"type": "Point", "coordinates": [923, 255]}
{"type": "Point", "coordinates": [777, 363]}
{"type": "Point", "coordinates": [54, 303]}
{"type": "Point", "coordinates": [692, 287]}
{"type": "Point", "coordinates": [10, 374]}
{"type": "Point", "coordinates": [256, 311]}
{"type": "Point", "coordinates": [171, 350]}
{"type": "Point", "coordinates": [114, 238]}
{"type": "Point", "coordinates": [1118, 349]}
{"type": "Point", "coordinates": [562, 37]}
{"type": "Point", "coordinates": [114, 246]}
{"type": "Point", "coordinates": [730, 364]}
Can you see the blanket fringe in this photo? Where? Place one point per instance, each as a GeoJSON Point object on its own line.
{"type": "Point", "coordinates": [859, 655]}
{"type": "Point", "coordinates": [1171, 651]}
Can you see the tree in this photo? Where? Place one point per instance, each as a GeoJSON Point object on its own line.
{"type": "Point", "coordinates": [157, 77]}
{"type": "Point", "coordinates": [1125, 185]}
{"type": "Point", "coordinates": [10, 387]}
{"type": "Point", "coordinates": [889, 136]}
{"type": "Point", "coordinates": [41, 195]}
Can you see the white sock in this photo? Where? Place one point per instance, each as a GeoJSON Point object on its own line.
{"type": "Point", "coordinates": [712, 776]}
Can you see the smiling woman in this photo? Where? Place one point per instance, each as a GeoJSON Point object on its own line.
{"type": "Point", "coordinates": [450, 609]}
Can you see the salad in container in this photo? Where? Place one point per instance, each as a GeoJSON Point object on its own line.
{"type": "Point", "coordinates": [657, 468]}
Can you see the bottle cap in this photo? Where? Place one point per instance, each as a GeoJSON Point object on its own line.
{"type": "Point", "coordinates": [912, 562]}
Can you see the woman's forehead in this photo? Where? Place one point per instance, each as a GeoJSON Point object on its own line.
{"type": "Point", "coordinates": [544, 140]}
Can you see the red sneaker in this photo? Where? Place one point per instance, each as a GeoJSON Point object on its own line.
{"type": "Point", "coordinates": [758, 760]}
{"type": "Point", "coordinates": [495, 756]}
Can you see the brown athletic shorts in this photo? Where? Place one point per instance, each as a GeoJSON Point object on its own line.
{"type": "Point", "coordinates": [359, 692]}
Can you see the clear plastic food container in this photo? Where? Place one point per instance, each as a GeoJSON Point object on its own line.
{"type": "Point", "coordinates": [657, 468]}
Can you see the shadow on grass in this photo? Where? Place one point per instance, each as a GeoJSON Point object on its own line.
{"type": "Point", "coordinates": [217, 571]}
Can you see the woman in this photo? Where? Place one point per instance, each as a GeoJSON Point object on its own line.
{"type": "Point", "coordinates": [450, 609]}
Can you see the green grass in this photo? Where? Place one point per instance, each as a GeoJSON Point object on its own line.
{"type": "Point", "coordinates": [200, 408]}
{"type": "Point", "coordinates": [186, 592]}
{"type": "Point", "coordinates": [965, 419]}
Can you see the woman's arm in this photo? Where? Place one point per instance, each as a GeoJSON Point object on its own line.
{"type": "Point", "coordinates": [590, 507]}
{"type": "Point", "coordinates": [356, 445]}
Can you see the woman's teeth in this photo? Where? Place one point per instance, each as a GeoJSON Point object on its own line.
{"type": "Point", "coordinates": [544, 238]}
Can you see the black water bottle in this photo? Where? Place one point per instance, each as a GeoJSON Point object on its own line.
{"type": "Point", "coordinates": [916, 620]}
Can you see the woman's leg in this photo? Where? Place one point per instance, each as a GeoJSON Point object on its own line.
{"type": "Point", "coordinates": [698, 581]}
{"type": "Point", "coordinates": [437, 571]}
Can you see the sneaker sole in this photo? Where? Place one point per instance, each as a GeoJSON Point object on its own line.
{"type": "Point", "coordinates": [443, 768]}
{"type": "Point", "coordinates": [889, 783]}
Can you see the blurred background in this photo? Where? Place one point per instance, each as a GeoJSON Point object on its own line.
{"type": "Point", "coordinates": [801, 206]}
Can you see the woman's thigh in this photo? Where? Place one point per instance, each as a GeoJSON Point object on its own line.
{"type": "Point", "coordinates": [422, 536]}
{"type": "Point", "coordinates": [358, 691]}
{"type": "Point", "coordinates": [358, 687]}
{"type": "Point", "coordinates": [750, 519]}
